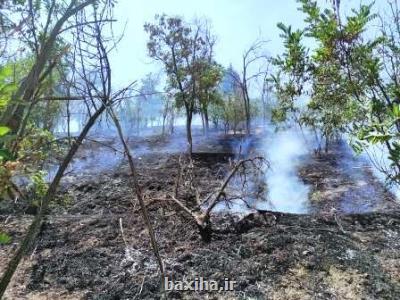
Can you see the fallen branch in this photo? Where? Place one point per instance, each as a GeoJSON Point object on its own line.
{"type": "Point", "coordinates": [202, 219]}
{"type": "Point", "coordinates": [183, 207]}
{"type": "Point", "coordinates": [226, 182]}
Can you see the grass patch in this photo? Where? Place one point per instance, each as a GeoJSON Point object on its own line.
{"type": "Point", "coordinates": [4, 238]}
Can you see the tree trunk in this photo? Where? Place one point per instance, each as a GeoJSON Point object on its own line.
{"type": "Point", "coordinates": [203, 122]}
{"type": "Point", "coordinates": [206, 120]}
{"type": "Point", "coordinates": [326, 143]}
{"type": "Point", "coordinates": [172, 121]}
{"type": "Point", "coordinates": [248, 116]}
{"type": "Point", "coordinates": [163, 125]}
{"type": "Point", "coordinates": [189, 115]}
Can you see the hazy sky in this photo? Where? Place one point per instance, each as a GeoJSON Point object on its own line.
{"type": "Point", "coordinates": [237, 23]}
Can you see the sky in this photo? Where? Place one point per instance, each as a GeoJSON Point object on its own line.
{"type": "Point", "coordinates": [236, 23]}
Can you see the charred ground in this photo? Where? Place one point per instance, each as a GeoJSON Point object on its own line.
{"type": "Point", "coordinates": [82, 253]}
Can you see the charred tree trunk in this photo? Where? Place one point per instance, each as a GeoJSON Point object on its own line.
{"type": "Point", "coordinates": [189, 116]}
{"type": "Point", "coordinates": [247, 108]}
{"type": "Point", "coordinates": [206, 120]}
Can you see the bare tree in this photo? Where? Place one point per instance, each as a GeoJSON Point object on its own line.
{"type": "Point", "coordinates": [167, 114]}
{"type": "Point", "coordinates": [250, 59]}
{"type": "Point", "coordinates": [103, 89]}
{"type": "Point", "coordinates": [266, 91]}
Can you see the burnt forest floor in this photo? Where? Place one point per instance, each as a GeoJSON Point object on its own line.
{"type": "Point", "coordinates": [81, 252]}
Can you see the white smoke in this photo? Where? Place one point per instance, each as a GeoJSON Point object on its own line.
{"type": "Point", "coordinates": [378, 156]}
{"type": "Point", "coordinates": [286, 192]}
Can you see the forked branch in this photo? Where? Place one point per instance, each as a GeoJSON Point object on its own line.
{"type": "Point", "coordinates": [202, 217]}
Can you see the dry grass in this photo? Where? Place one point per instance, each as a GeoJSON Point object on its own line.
{"type": "Point", "coordinates": [348, 284]}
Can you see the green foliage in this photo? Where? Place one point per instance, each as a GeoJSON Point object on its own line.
{"type": "Point", "coordinates": [5, 154]}
{"type": "Point", "coordinates": [233, 112]}
{"type": "Point", "coordinates": [324, 76]}
{"type": "Point", "coordinates": [377, 137]}
{"type": "Point", "coordinates": [5, 177]}
{"type": "Point", "coordinates": [279, 115]}
{"type": "Point", "coordinates": [357, 146]}
{"type": "Point", "coordinates": [46, 113]}
{"type": "Point", "coordinates": [4, 238]}
{"type": "Point", "coordinates": [6, 164]}
{"type": "Point", "coordinates": [34, 149]}
{"type": "Point", "coordinates": [210, 75]}
{"type": "Point", "coordinates": [351, 79]}
{"type": "Point", "coordinates": [36, 146]}
{"type": "Point", "coordinates": [186, 52]}
{"type": "Point", "coordinates": [7, 85]}
{"type": "Point", "coordinates": [4, 130]}
{"type": "Point", "coordinates": [394, 152]}
{"type": "Point", "coordinates": [38, 185]}
{"type": "Point", "coordinates": [291, 76]}
{"type": "Point", "coordinates": [172, 42]}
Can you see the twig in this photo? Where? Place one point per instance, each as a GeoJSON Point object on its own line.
{"type": "Point", "coordinates": [339, 224]}
{"type": "Point", "coordinates": [183, 206]}
{"type": "Point", "coordinates": [141, 287]}
{"type": "Point", "coordinates": [105, 145]}
{"type": "Point", "coordinates": [122, 232]}
{"type": "Point", "coordinates": [203, 219]}
{"type": "Point", "coordinates": [225, 184]}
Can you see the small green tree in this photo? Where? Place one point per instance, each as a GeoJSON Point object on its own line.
{"type": "Point", "coordinates": [327, 74]}
{"type": "Point", "coordinates": [210, 76]}
{"type": "Point", "coordinates": [182, 49]}
{"type": "Point", "coordinates": [374, 74]}
{"type": "Point", "coordinates": [291, 76]}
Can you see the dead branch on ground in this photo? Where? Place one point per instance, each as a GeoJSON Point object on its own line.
{"type": "Point", "coordinates": [202, 212]}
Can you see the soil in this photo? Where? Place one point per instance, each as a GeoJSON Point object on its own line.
{"type": "Point", "coordinates": [82, 253]}
{"type": "Point", "coordinates": [344, 183]}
